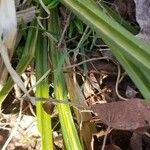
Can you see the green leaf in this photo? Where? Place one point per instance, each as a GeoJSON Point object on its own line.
{"type": "Point", "coordinates": [42, 90]}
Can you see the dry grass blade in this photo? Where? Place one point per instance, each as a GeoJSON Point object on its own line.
{"type": "Point", "coordinates": [26, 15]}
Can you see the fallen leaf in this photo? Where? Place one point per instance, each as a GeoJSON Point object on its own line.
{"type": "Point", "coordinates": [124, 115]}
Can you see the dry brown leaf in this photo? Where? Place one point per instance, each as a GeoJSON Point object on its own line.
{"type": "Point", "coordinates": [124, 115]}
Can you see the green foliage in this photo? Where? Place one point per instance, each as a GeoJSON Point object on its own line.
{"type": "Point", "coordinates": [76, 27]}
{"type": "Point", "coordinates": [42, 90]}
{"type": "Point", "coordinates": [132, 53]}
{"type": "Point", "coordinates": [133, 29]}
{"type": "Point", "coordinates": [69, 131]}
{"type": "Point", "coordinates": [49, 3]}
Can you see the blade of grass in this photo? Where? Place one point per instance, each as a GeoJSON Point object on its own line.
{"type": "Point", "coordinates": [76, 95]}
{"type": "Point", "coordinates": [42, 90]}
{"type": "Point", "coordinates": [69, 131]}
{"type": "Point", "coordinates": [118, 18]}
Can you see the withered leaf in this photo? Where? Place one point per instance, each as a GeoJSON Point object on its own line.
{"type": "Point", "coordinates": [124, 115]}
